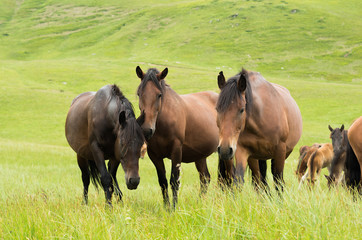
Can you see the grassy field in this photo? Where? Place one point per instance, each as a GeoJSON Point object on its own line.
{"type": "Point", "coordinates": [50, 51]}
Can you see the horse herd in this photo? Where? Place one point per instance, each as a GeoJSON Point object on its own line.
{"type": "Point", "coordinates": [249, 122]}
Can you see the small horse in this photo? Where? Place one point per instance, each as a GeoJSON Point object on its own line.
{"type": "Point", "coordinates": [304, 154]}
{"type": "Point", "coordinates": [353, 173]}
{"type": "Point", "coordinates": [102, 125]}
{"type": "Point", "coordinates": [257, 120]}
{"type": "Point", "coordinates": [320, 158]}
{"type": "Point", "coordinates": [339, 142]}
{"type": "Point", "coordinates": [179, 127]}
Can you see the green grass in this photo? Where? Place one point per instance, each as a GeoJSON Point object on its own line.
{"type": "Point", "coordinates": [50, 51]}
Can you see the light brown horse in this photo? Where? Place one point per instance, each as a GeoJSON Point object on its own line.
{"type": "Point", "coordinates": [319, 159]}
{"type": "Point", "coordinates": [257, 120]}
{"type": "Point", "coordinates": [353, 172]}
{"type": "Point", "coordinates": [101, 125]}
{"type": "Point", "coordinates": [179, 127]}
{"type": "Point", "coordinates": [304, 154]}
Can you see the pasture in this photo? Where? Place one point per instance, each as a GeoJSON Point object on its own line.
{"type": "Point", "coordinates": [53, 50]}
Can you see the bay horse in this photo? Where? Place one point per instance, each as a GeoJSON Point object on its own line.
{"type": "Point", "coordinates": [304, 154]}
{"type": "Point", "coordinates": [339, 141]}
{"type": "Point", "coordinates": [319, 159]}
{"type": "Point", "coordinates": [102, 125]}
{"type": "Point", "coordinates": [257, 120]}
{"type": "Point", "coordinates": [179, 127]}
{"type": "Point", "coordinates": [353, 174]}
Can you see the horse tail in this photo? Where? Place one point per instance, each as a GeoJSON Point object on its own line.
{"type": "Point", "coordinates": [301, 157]}
{"type": "Point", "coordinates": [94, 174]}
{"type": "Point", "coordinates": [312, 165]}
{"type": "Point", "coordinates": [353, 169]}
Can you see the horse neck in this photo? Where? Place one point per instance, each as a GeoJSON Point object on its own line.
{"type": "Point", "coordinates": [170, 99]}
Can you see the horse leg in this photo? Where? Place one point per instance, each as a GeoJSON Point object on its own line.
{"type": "Point", "coordinates": [304, 177]}
{"type": "Point", "coordinates": [204, 174]}
{"type": "Point", "coordinates": [106, 179]}
{"type": "Point", "coordinates": [112, 169]}
{"type": "Point", "coordinates": [255, 172]}
{"type": "Point", "coordinates": [241, 160]}
{"type": "Point", "coordinates": [176, 157]}
{"type": "Point", "coordinates": [263, 167]}
{"type": "Point", "coordinates": [161, 174]}
{"type": "Point", "coordinates": [83, 165]}
{"type": "Point", "coordinates": [277, 166]}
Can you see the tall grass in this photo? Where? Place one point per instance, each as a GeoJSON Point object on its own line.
{"type": "Point", "coordinates": [50, 51]}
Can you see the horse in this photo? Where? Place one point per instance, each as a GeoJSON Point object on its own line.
{"type": "Point", "coordinates": [257, 120]}
{"type": "Point", "coordinates": [102, 125]}
{"type": "Point", "coordinates": [353, 173]}
{"type": "Point", "coordinates": [339, 141]}
{"type": "Point", "coordinates": [320, 158]}
{"type": "Point", "coordinates": [179, 127]}
{"type": "Point", "coordinates": [304, 154]}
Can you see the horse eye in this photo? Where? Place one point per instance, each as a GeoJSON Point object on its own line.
{"type": "Point", "coordinates": [242, 110]}
{"type": "Point", "coordinates": [159, 95]}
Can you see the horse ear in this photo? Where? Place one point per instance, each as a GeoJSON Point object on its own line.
{"type": "Point", "coordinates": [330, 128]}
{"type": "Point", "coordinates": [139, 72]}
{"type": "Point", "coordinates": [242, 80]}
{"type": "Point", "coordinates": [221, 80]}
{"type": "Point", "coordinates": [342, 127]}
{"type": "Point", "coordinates": [163, 74]}
{"type": "Point", "coordinates": [122, 119]}
{"type": "Point", "coordinates": [140, 120]}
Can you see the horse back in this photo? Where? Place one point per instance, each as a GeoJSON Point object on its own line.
{"type": "Point", "coordinates": [355, 138]}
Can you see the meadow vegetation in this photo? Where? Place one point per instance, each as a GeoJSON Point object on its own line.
{"type": "Point", "coordinates": [51, 51]}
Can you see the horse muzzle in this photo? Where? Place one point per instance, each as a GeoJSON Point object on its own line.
{"type": "Point", "coordinates": [132, 183]}
{"type": "Point", "coordinates": [225, 153]}
{"type": "Point", "coordinates": [148, 133]}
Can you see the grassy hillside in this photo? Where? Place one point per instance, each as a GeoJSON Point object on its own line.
{"type": "Point", "coordinates": [50, 51]}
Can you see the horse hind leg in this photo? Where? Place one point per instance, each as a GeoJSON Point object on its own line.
{"type": "Point", "coordinates": [277, 166]}
{"type": "Point", "coordinates": [83, 165]}
{"type": "Point", "coordinates": [204, 174]}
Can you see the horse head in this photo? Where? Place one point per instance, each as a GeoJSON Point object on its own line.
{"type": "Point", "coordinates": [231, 114]}
{"type": "Point", "coordinates": [150, 93]}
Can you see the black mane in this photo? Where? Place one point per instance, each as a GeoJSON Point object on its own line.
{"type": "Point", "coordinates": [131, 135]}
{"type": "Point", "coordinates": [230, 92]}
{"type": "Point", "coordinates": [151, 75]}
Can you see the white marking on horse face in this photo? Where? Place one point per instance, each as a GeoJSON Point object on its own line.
{"type": "Point", "coordinates": [178, 165]}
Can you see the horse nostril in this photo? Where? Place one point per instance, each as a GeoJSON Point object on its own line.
{"type": "Point", "coordinates": [218, 149]}
{"type": "Point", "coordinates": [230, 151]}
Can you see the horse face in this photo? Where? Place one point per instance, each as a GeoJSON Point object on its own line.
{"type": "Point", "coordinates": [337, 138]}
{"type": "Point", "coordinates": [150, 98]}
{"type": "Point", "coordinates": [128, 147]}
{"type": "Point", "coordinates": [150, 105]}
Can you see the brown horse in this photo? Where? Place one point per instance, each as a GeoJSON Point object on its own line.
{"type": "Point", "coordinates": [304, 154]}
{"type": "Point", "coordinates": [102, 126]}
{"type": "Point", "coordinates": [353, 172]}
{"type": "Point", "coordinates": [257, 120]}
{"type": "Point", "coordinates": [339, 142]}
{"type": "Point", "coordinates": [179, 127]}
{"type": "Point", "coordinates": [320, 158]}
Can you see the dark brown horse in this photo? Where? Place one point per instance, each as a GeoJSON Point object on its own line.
{"type": "Point", "coordinates": [257, 120]}
{"type": "Point", "coordinates": [179, 127]}
{"type": "Point", "coordinates": [102, 125]}
{"type": "Point", "coordinates": [353, 174]}
{"type": "Point", "coordinates": [340, 143]}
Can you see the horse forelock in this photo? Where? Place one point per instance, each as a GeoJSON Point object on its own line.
{"type": "Point", "coordinates": [230, 92]}
{"type": "Point", "coordinates": [151, 75]}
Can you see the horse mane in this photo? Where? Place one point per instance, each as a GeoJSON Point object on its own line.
{"type": "Point", "coordinates": [151, 75]}
{"type": "Point", "coordinates": [131, 135]}
{"type": "Point", "coordinates": [230, 92]}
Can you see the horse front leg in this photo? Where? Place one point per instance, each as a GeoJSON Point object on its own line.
{"type": "Point", "coordinates": [241, 160]}
{"type": "Point", "coordinates": [176, 157]}
{"type": "Point", "coordinates": [161, 174]}
{"type": "Point", "coordinates": [204, 174]}
{"type": "Point", "coordinates": [112, 169]}
{"type": "Point", "coordinates": [106, 179]}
